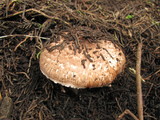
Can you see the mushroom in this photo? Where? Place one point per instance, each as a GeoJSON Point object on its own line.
{"type": "Point", "coordinates": [83, 64]}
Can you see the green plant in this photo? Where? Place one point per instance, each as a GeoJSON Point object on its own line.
{"type": "Point", "coordinates": [129, 16]}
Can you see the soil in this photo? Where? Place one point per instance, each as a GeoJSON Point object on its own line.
{"type": "Point", "coordinates": [26, 26]}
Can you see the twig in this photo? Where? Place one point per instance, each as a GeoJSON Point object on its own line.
{"type": "Point", "coordinates": [23, 74]}
{"type": "Point", "coordinates": [133, 71]}
{"type": "Point", "coordinates": [21, 35]}
{"type": "Point", "coordinates": [139, 82]}
{"type": "Point", "coordinates": [139, 88]}
{"type": "Point", "coordinates": [34, 10]}
{"type": "Point", "coordinates": [30, 61]}
{"type": "Point", "coordinates": [20, 43]}
{"type": "Point", "coordinates": [7, 7]}
{"type": "Point", "coordinates": [127, 112]}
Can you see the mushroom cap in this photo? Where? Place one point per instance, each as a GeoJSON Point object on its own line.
{"type": "Point", "coordinates": [93, 64]}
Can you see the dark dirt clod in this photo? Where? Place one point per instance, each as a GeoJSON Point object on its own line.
{"type": "Point", "coordinates": [6, 107]}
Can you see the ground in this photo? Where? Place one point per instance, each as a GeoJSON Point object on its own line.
{"type": "Point", "coordinates": [26, 26]}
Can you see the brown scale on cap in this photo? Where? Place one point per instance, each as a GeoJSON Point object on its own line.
{"type": "Point", "coordinates": [83, 69]}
